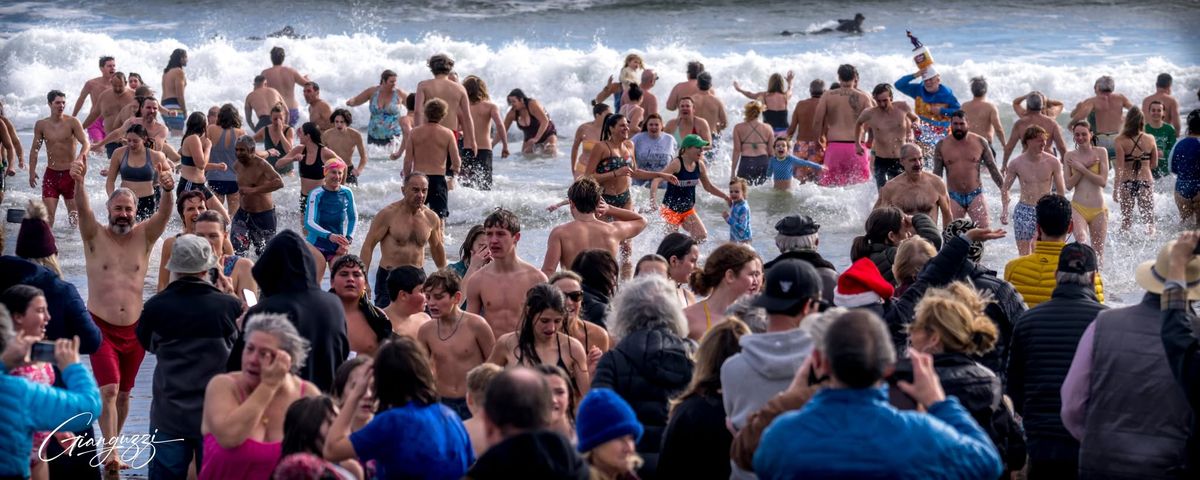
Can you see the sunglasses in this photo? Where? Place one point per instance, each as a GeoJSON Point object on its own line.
{"type": "Point", "coordinates": [574, 296]}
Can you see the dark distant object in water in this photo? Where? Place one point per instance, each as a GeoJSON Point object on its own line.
{"type": "Point", "coordinates": [845, 26]}
{"type": "Point", "coordinates": [285, 32]}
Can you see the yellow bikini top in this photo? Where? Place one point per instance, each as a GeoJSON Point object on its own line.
{"type": "Point", "coordinates": [707, 317]}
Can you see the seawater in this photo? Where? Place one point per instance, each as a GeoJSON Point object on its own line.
{"type": "Point", "coordinates": [561, 52]}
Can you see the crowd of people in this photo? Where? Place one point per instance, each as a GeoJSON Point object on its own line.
{"type": "Point", "coordinates": [915, 361]}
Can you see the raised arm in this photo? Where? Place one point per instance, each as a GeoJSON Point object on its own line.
{"type": "Point", "coordinates": [609, 89]}
{"type": "Point", "coordinates": [1081, 110]}
{"type": "Point", "coordinates": [747, 94]}
{"type": "Point", "coordinates": [157, 223]}
{"type": "Point", "coordinates": [628, 223]}
{"type": "Point", "coordinates": [229, 422]}
{"type": "Point", "coordinates": [88, 225]}
{"type": "Point", "coordinates": [362, 97]}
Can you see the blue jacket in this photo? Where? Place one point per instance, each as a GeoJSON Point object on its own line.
{"type": "Point", "coordinates": [27, 407]}
{"type": "Point", "coordinates": [855, 433]}
{"type": "Point", "coordinates": [342, 224]}
{"type": "Point", "coordinates": [68, 312]}
{"type": "Point", "coordinates": [925, 100]}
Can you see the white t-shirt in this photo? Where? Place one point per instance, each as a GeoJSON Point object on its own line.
{"type": "Point", "coordinates": [653, 154]}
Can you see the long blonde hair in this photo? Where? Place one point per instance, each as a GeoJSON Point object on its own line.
{"type": "Point", "coordinates": [911, 256]}
{"type": "Point", "coordinates": [956, 314]}
{"type": "Point", "coordinates": [717, 345]}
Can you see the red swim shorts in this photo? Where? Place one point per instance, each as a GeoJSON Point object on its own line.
{"type": "Point", "coordinates": [119, 356]}
{"type": "Point", "coordinates": [57, 183]}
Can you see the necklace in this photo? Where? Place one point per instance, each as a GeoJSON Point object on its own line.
{"type": "Point", "coordinates": [457, 323]}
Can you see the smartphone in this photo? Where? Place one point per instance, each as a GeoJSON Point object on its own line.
{"type": "Point", "coordinates": [212, 275]}
{"type": "Point", "coordinates": [251, 298]}
{"type": "Point", "coordinates": [42, 352]}
{"type": "Point", "coordinates": [897, 397]}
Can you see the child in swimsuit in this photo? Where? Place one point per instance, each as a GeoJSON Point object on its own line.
{"type": "Point", "coordinates": [784, 166]}
{"type": "Point", "coordinates": [738, 215]}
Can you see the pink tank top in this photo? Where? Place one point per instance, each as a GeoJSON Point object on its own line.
{"type": "Point", "coordinates": [41, 373]}
{"type": "Point", "coordinates": [252, 460]}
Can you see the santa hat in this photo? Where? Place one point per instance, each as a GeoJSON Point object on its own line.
{"type": "Point", "coordinates": [862, 285]}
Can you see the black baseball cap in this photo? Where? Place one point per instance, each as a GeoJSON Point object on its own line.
{"type": "Point", "coordinates": [788, 282]}
{"type": "Point", "coordinates": [1077, 258]}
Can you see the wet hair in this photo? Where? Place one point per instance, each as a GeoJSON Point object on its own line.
{"type": "Point", "coordinates": [1164, 80]}
{"type": "Point", "coordinates": [1033, 132]}
{"type": "Point", "coordinates": [197, 124]}
{"type": "Point", "coordinates": [184, 197]}
{"type": "Point", "coordinates": [1053, 214]}
{"type": "Point", "coordinates": [211, 216]}
{"type": "Point", "coordinates": [478, 379]}
{"type": "Point", "coordinates": [403, 374]}
{"type": "Point", "coordinates": [53, 94]}
{"type": "Point", "coordinates": [716, 346]}
{"type": "Point", "coordinates": [816, 88]}
{"type": "Point", "coordinates": [647, 258]}
{"type": "Point", "coordinates": [444, 279]}
{"type": "Point", "coordinates": [675, 245]}
{"type": "Point", "coordinates": [881, 88]}
{"type": "Point", "coordinates": [502, 218]}
{"type": "Point", "coordinates": [1105, 84]}
{"type": "Point", "coordinates": [105, 59]}
{"type": "Point", "coordinates": [476, 88]}
{"type": "Point", "coordinates": [383, 77]}
{"type": "Point", "coordinates": [518, 399]}
{"type": "Point", "coordinates": [435, 110]}
{"type": "Point", "coordinates": [584, 194]}
{"type": "Point", "coordinates": [979, 86]}
{"type": "Point", "coordinates": [597, 108]}
{"type": "Point", "coordinates": [958, 114]}
{"type": "Point", "coordinates": [412, 175]}
{"type": "Point", "coordinates": [1135, 123]}
{"type": "Point", "coordinates": [142, 105]}
{"type": "Point", "coordinates": [911, 256]}
{"type": "Point", "coordinates": [341, 376]}
{"type": "Point", "coordinates": [464, 252]}
{"type": "Point", "coordinates": [859, 349]}
{"type": "Point", "coordinates": [316, 87]}
{"type": "Point", "coordinates": [634, 92]}
{"type": "Point", "coordinates": [1034, 102]}
{"type": "Point", "coordinates": [347, 261]}
{"type": "Point", "coordinates": [539, 298]}
{"type": "Point", "coordinates": [278, 326]}
{"type": "Point", "coordinates": [775, 83]}
{"type": "Point", "coordinates": [847, 73]}
{"type": "Point", "coordinates": [598, 269]}
{"type": "Point", "coordinates": [704, 81]}
{"type": "Point", "coordinates": [1193, 122]}
{"type": "Point", "coordinates": [314, 133]}
{"type": "Point", "coordinates": [142, 91]}
{"type": "Point", "coordinates": [727, 257]}
{"type": "Point", "coordinates": [121, 76]}
{"type": "Point", "coordinates": [1086, 126]}
{"type": "Point", "coordinates": [341, 112]}
{"type": "Point", "coordinates": [277, 56]}
{"type": "Point", "coordinates": [259, 79]}
{"type": "Point", "coordinates": [753, 110]}
{"type": "Point", "coordinates": [139, 77]}
{"type": "Point", "coordinates": [404, 278]}
{"type": "Point", "coordinates": [835, 86]}
{"type": "Point", "coordinates": [302, 425]}
{"type": "Point", "coordinates": [228, 118]}
{"type": "Point", "coordinates": [572, 393]}
{"type": "Point", "coordinates": [610, 122]}
{"type": "Point", "coordinates": [139, 130]}
{"type": "Point", "coordinates": [410, 102]}
{"type": "Point", "coordinates": [956, 314]}
{"type": "Point", "coordinates": [694, 69]}
{"type": "Point", "coordinates": [521, 97]}
{"type": "Point", "coordinates": [879, 224]}
{"type": "Point", "coordinates": [120, 192]}
{"type": "Point", "coordinates": [648, 302]}
{"type": "Point", "coordinates": [18, 297]}
{"type": "Point", "coordinates": [741, 181]}
{"type": "Point", "coordinates": [441, 64]}
{"type": "Point", "coordinates": [245, 141]}
{"type": "Point", "coordinates": [652, 116]}
{"type": "Point", "coordinates": [176, 60]}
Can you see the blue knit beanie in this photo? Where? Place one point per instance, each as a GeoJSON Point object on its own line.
{"type": "Point", "coordinates": [603, 416]}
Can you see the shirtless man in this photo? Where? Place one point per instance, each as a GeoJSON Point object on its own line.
{"type": "Point", "coordinates": [402, 230]}
{"type": "Point", "coordinates": [108, 106]}
{"type": "Point", "coordinates": [1052, 108]}
{"type": "Point", "coordinates": [1038, 171]}
{"type": "Point", "coordinates": [117, 257]}
{"type": "Point", "coordinates": [810, 144]}
{"type": "Point", "coordinates": [234, 270]}
{"type": "Point", "coordinates": [960, 154]}
{"type": "Point", "coordinates": [1109, 108]}
{"type": "Point", "coordinates": [174, 83]}
{"type": "Point", "coordinates": [586, 231]}
{"type": "Point", "coordinates": [457, 341]}
{"type": "Point", "coordinates": [649, 100]}
{"type": "Point", "coordinates": [367, 327]}
{"type": "Point", "coordinates": [836, 118]}
{"type": "Point", "coordinates": [344, 141]}
{"type": "Point", "coordinates": [429, 145]}
{"type": "Point", "coordinates": [284, 79]}
{"type": "Point", "coordinates": [497, 291]}
{"type": "Point", "coordinates": [688, 123]}
{"type": "Point", "coordinates": [477, 170]}
{"type": "Point", "coordinates": [916, 191]}
{"type": "Point", "coordinates": [708, 106]}
{"type": "Point", "coordinates": [1162, 93]}
{"type": "Point", "coordinates": [92, 89]}
{"type": "Point", "coordinates": [458, 108]}
{"type": "Point", "coordinates": [686, 88]}
{"type": "Point", "coordinates": [406, 294]}
{"type": "Point", "coordinates": [131, 109]}
{"type": "Point", "coordinates": [319, 110]}
{"type": "Point", "coordinates": [254, 221]}
{"type": "Point", "coordinates": [889, 127]}
{"type": "Point", "coordinates": [59, 133]}
{"type": "Point", "coordinates": [260, 101]}
{"type": "Point", "coordinates": [982, 116]}
{"type": "Point", "coordinates": [1036, 117]}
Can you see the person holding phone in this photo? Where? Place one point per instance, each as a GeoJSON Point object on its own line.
{"type": "Point", "coordinates": [29, 316]}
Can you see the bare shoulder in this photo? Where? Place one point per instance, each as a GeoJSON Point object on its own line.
{"type": "Point", "coordinates": [474, 321]}
{"type": "Point", "coordinates": [531, 273]}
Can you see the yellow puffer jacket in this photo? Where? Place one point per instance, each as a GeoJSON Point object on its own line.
{"type": "Point", "coordinates": [1033, 274]}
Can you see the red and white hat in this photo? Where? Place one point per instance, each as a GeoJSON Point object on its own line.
{"type": "Point", "coordinates": [862, 285]}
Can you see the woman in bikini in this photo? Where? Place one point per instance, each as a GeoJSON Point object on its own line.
{"type": "Point", "coordinates": [541, 137]}
{"type": "Point", "coordinates": [193, 161]}
{"type": "Point", "coordinates": [277, 138]}
{"type": "Point", "coordinates": [752, 145]}
{"type": "Point", "coordinates": [586, 136]}
{"type": "Point", "coordinates": [775, 98]}
{"type": "Point", "coordinates": [732, 270]}
{"type": "Point", "coordinates": [138, 166]}
{"type": "Point", "coordinates": [540, 339]}
{"type": "Point", "coordinates": [1136, 155]}
{"type": "Point", "coordinates": [312, 155]}
{"type": "Point", "coordinates": [384, 125]}
{"type": "Point", "coordinates": [593, 337]}
{"type": "Point", "coordinates": [1087, 173]}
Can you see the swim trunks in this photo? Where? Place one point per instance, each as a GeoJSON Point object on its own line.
{"type": "Point", "coordinates": [459, 405]}
{"type": "Point", "coordinates": [844, 166]}
{"type": "Point", "coordinates": [293, 116]}
{"type": "Point", "coordinates": [477, 169]}
{"type": "Point", "coordinates": [109, 148]}
{"type": "Point", "coordinates": [811, 151]}
{"type": "Point", "coordinates": [96, 131]}
{"type": "Point", "coordinates": [119, 356]}
{"type": "Point", "coordinates": [57, 183]}
{"type": "Point", "coordinates": [886, 169]}
{"type": "Point", "coordinates": [1024, 222]}
{"type": "Point", "coordinates": [438, 198]}
{"type": "Point", "coordinates": [187, 185]}
{"type": "Point", "coordinates": [223, 187]}
{"type": "Point", "coordinates": [263, 121]}
{"type": "Point", "coordinates": [251, 229]}
{"type": "Point", "coordinates": [777, 119]}
{"type": "Point", "coordinates": [964, 199]}
{"type": "Point", "coordinates": [675, 218]}
{"type": "Point", "coordinates": [754, 169]}
{"type": "Point", "coordinates": [146, 206]}
{"type": "Point", "coordinates": [382, 300]}
{"type": "Point", "coordinates": [1109, 142]}
{"type": "Point", "coordinates": [1088, 213]}
{"type": "Point", "coordinates": [174, 120]}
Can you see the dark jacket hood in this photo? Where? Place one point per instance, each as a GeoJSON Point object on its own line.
{"type": "Point", "coordinates": [542, 454]}
{"type": "Point", "coordinates": [14, 270]}
{"type": "Point", "coordinates": [659, 356]}
{"type": "Point", "coordinates": [285, 266]}
{"type": "Point", "coordinates": [810, 256]}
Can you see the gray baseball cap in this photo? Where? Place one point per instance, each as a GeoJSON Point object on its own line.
{"type": "Point", "coordinates": [191, 254]}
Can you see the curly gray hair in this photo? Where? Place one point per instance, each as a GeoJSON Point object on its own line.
{"type": "Point", "coordinates": [6, 328]}
{"type": "Point", "coordinates": [645, 303]}
{"type": "Point", "coordinates": [278, 326]}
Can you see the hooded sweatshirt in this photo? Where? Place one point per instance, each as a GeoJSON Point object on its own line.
{"type": "Point", "coordinates": [540, 454]}
{"type": "Point", "coordinates": [287, 275]}
{"type": "Point", "coordinates": [68, 312]}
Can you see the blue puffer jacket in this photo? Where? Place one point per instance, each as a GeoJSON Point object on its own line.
{"type": "Point", "coordinates": [855, 433]}
{"type": "Point", "coordinates": [27, 407]}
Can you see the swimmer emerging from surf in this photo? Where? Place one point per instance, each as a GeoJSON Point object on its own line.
{"type": "Point", "coordinates": [916, 191]}
{"type": "Point", "coordinates": [853, 25]}
{"type": "Point", "coordinates": [961, 153]}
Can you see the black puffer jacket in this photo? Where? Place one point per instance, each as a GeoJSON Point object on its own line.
{"type": "Point", "coordinates": [1043, 346]}
{"type": "Point", "coordinates": [978, 390]}
{"type": "Point", "coordinates": [884, 255]}
{"type": "Point", "coordinates": [647, 368]}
